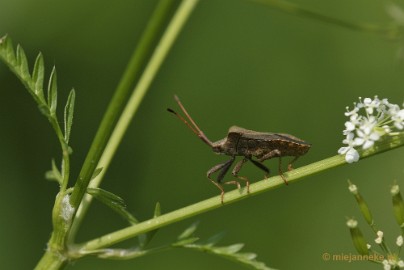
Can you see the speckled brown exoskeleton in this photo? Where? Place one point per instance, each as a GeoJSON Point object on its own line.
{"type": "Point", "coordinates": [249, 144]}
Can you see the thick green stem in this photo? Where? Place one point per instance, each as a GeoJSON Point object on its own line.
{"type": "Point", "coordinates": [65, 152]}
{"type": "Point", "coordinates": [233, 196]}
{"type": "Point", "coordinates": [51, 260]}
{"type": "Point", "coordinates": [160, 53]}
{"type": "Point", "coordinates": [139, 58]}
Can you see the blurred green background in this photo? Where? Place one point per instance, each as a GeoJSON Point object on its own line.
{"type": "Point", "coordinates": [235, 63]}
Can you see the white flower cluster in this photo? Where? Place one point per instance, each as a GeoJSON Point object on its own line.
{"type": "Point", "coordinates": [380, 118]}
{"type": "Point", "coordinates": [392, 263]}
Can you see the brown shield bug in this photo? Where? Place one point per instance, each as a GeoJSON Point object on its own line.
{"type": "Point", "coordinates": [249, 144]}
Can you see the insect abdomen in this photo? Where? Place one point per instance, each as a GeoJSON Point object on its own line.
{"type": "Point", "coordinates": [258, 148]}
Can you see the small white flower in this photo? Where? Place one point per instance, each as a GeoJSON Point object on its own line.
{"type": "Point", "coordinates": [398, 119]}
{"type": "Point", "coordinates": [349, 126]}
{"type": "Point", "coordinates": [399, 241]}
{"type": "Point", "coordinates": [393, 109]}
{"type": "Point", "coordinates": [394, 190]}
{"type": "Point", "coordinates": [368, 124]}
{"type": "Point", "coordinates": [352, 223]}
{"type": "Point", "coordinates": [400, 264]}
{"type": "Point", "coordinates": [366, 139]}
{"type": "Point", "coordinates": [351, 155]}
{"type": "Point", "coordinates": [354, 111]}
{"type": "Point", "coordinates": [386, 129]}
{"type": "Point", "coordinates": [353, 189]}
{"type": "Point", "coordinates": [368, 246]}
{"type": "Point", "coordinates": [386, 265]}
{"type": "Point", "coordinates": [370, 104]}
{"type": "Point", "coordinates": [379, 238]}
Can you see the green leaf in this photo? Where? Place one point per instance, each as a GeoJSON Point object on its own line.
{"type": "Point", "coordinates": [145, 239]}
{"type": "Point", "coordinates": [52, 92]}
{"type": "Point", "coordinates": [157, 210]}
{"type": "Point", "coordinates": [54, 174]}
{"type": "Point", "coordinates": [96, 173]}
{"type": "Point", "coordinates": [188, 231]}
{"type": "Point", "coordinates": [398, 206]}
{"type": "Point", "coordinates": [22, 63]}
{"type": "Point", "coordinates": [10, 51]}
{"type": "Point", "coordinates": [121, 254]}
{"type": "Point", "coordinates": [7, 51]}
{"type": "Point", "coordinates": [214, 239]}
{"type": "Point", "coordinates": [186, 240]}
{"type": "Point", "coordinates": [43, 108]}
{"type": "Point", "coordinates": [231, 253]}
{"type": "Point", "coordinates": [113, 201]}
{"type": "Point", "coordinates": [232, 249]}
{"type": "Point", "coordinates": [69, 110]}
{"type": "Point", "coordinates": [38, 75]}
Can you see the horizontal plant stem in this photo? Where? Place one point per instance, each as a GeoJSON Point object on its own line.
{"type": "Point", "coordinates": [232, 196]}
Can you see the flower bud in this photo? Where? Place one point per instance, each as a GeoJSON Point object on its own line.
{"type": "Point", "coordinates": [358, 240]}
{"type": "Point", "coordinates": [399, 241]}
{"type": "Point", "coordinates": [398, 205]}
{"type": "Point", "coordinates": [362, 204]}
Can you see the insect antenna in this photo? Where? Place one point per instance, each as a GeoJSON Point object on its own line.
{"type": "Point", "coordinates": [193, 126]}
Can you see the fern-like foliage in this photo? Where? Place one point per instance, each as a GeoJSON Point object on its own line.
{"type": "Point", "coordinates": [16, 60]}
{"type": "Point", "coordinates": [231, 252]}
{"type": "Point", "coordinates": [187, 240]}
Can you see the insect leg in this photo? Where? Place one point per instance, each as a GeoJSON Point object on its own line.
{"type": "Point", "coordinates": [237, 169]}
{"type": "Point", "coordinates": [261, 166]}
{"type": "Point", "coordinates": [280, 171]}
{"type": "Point", "coordinates": [275, 153]}
{"type": "Point", "coordinates": [271, 154]}
{"type": "Point", "coordinates": [223, 168]}
{"type": "Point", "coordinates": [290, 163]}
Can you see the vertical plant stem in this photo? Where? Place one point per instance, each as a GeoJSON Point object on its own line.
{"type": "Point", "coordinates": [160, 53]}
{"type": "Point", "coordinates": [157, 23]}
{"type": "Point", "coordinates": [141, 88]}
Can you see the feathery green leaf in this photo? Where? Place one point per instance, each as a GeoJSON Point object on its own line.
{"type": "Point", "coordinates": [120, 254]}
{"type": "Point", "coordinates": [188, 231]}
{"type": "Point", "coordinates": [54, 174]}
{"type": "Point", "coordinates": [68, 115]}
{"type": "Point", "coordinates": [52, 92]}
{"type": "Point", "coordinates": [22, 64]}
{"type": "Point", "coordinates": [187, 240]}
{"type": "Point", "coordinates": [145, 239]}
{"type": "Point", "coordinates": [38, 75]}
{"type": "Point", "coordinates": [214, 239]}
{"type": "Point", "coordinates": [157, 210]}
{"type": "Point", "coordinates": [113, 201]}
{"type": "Point", "coordinates": [9, 54]}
